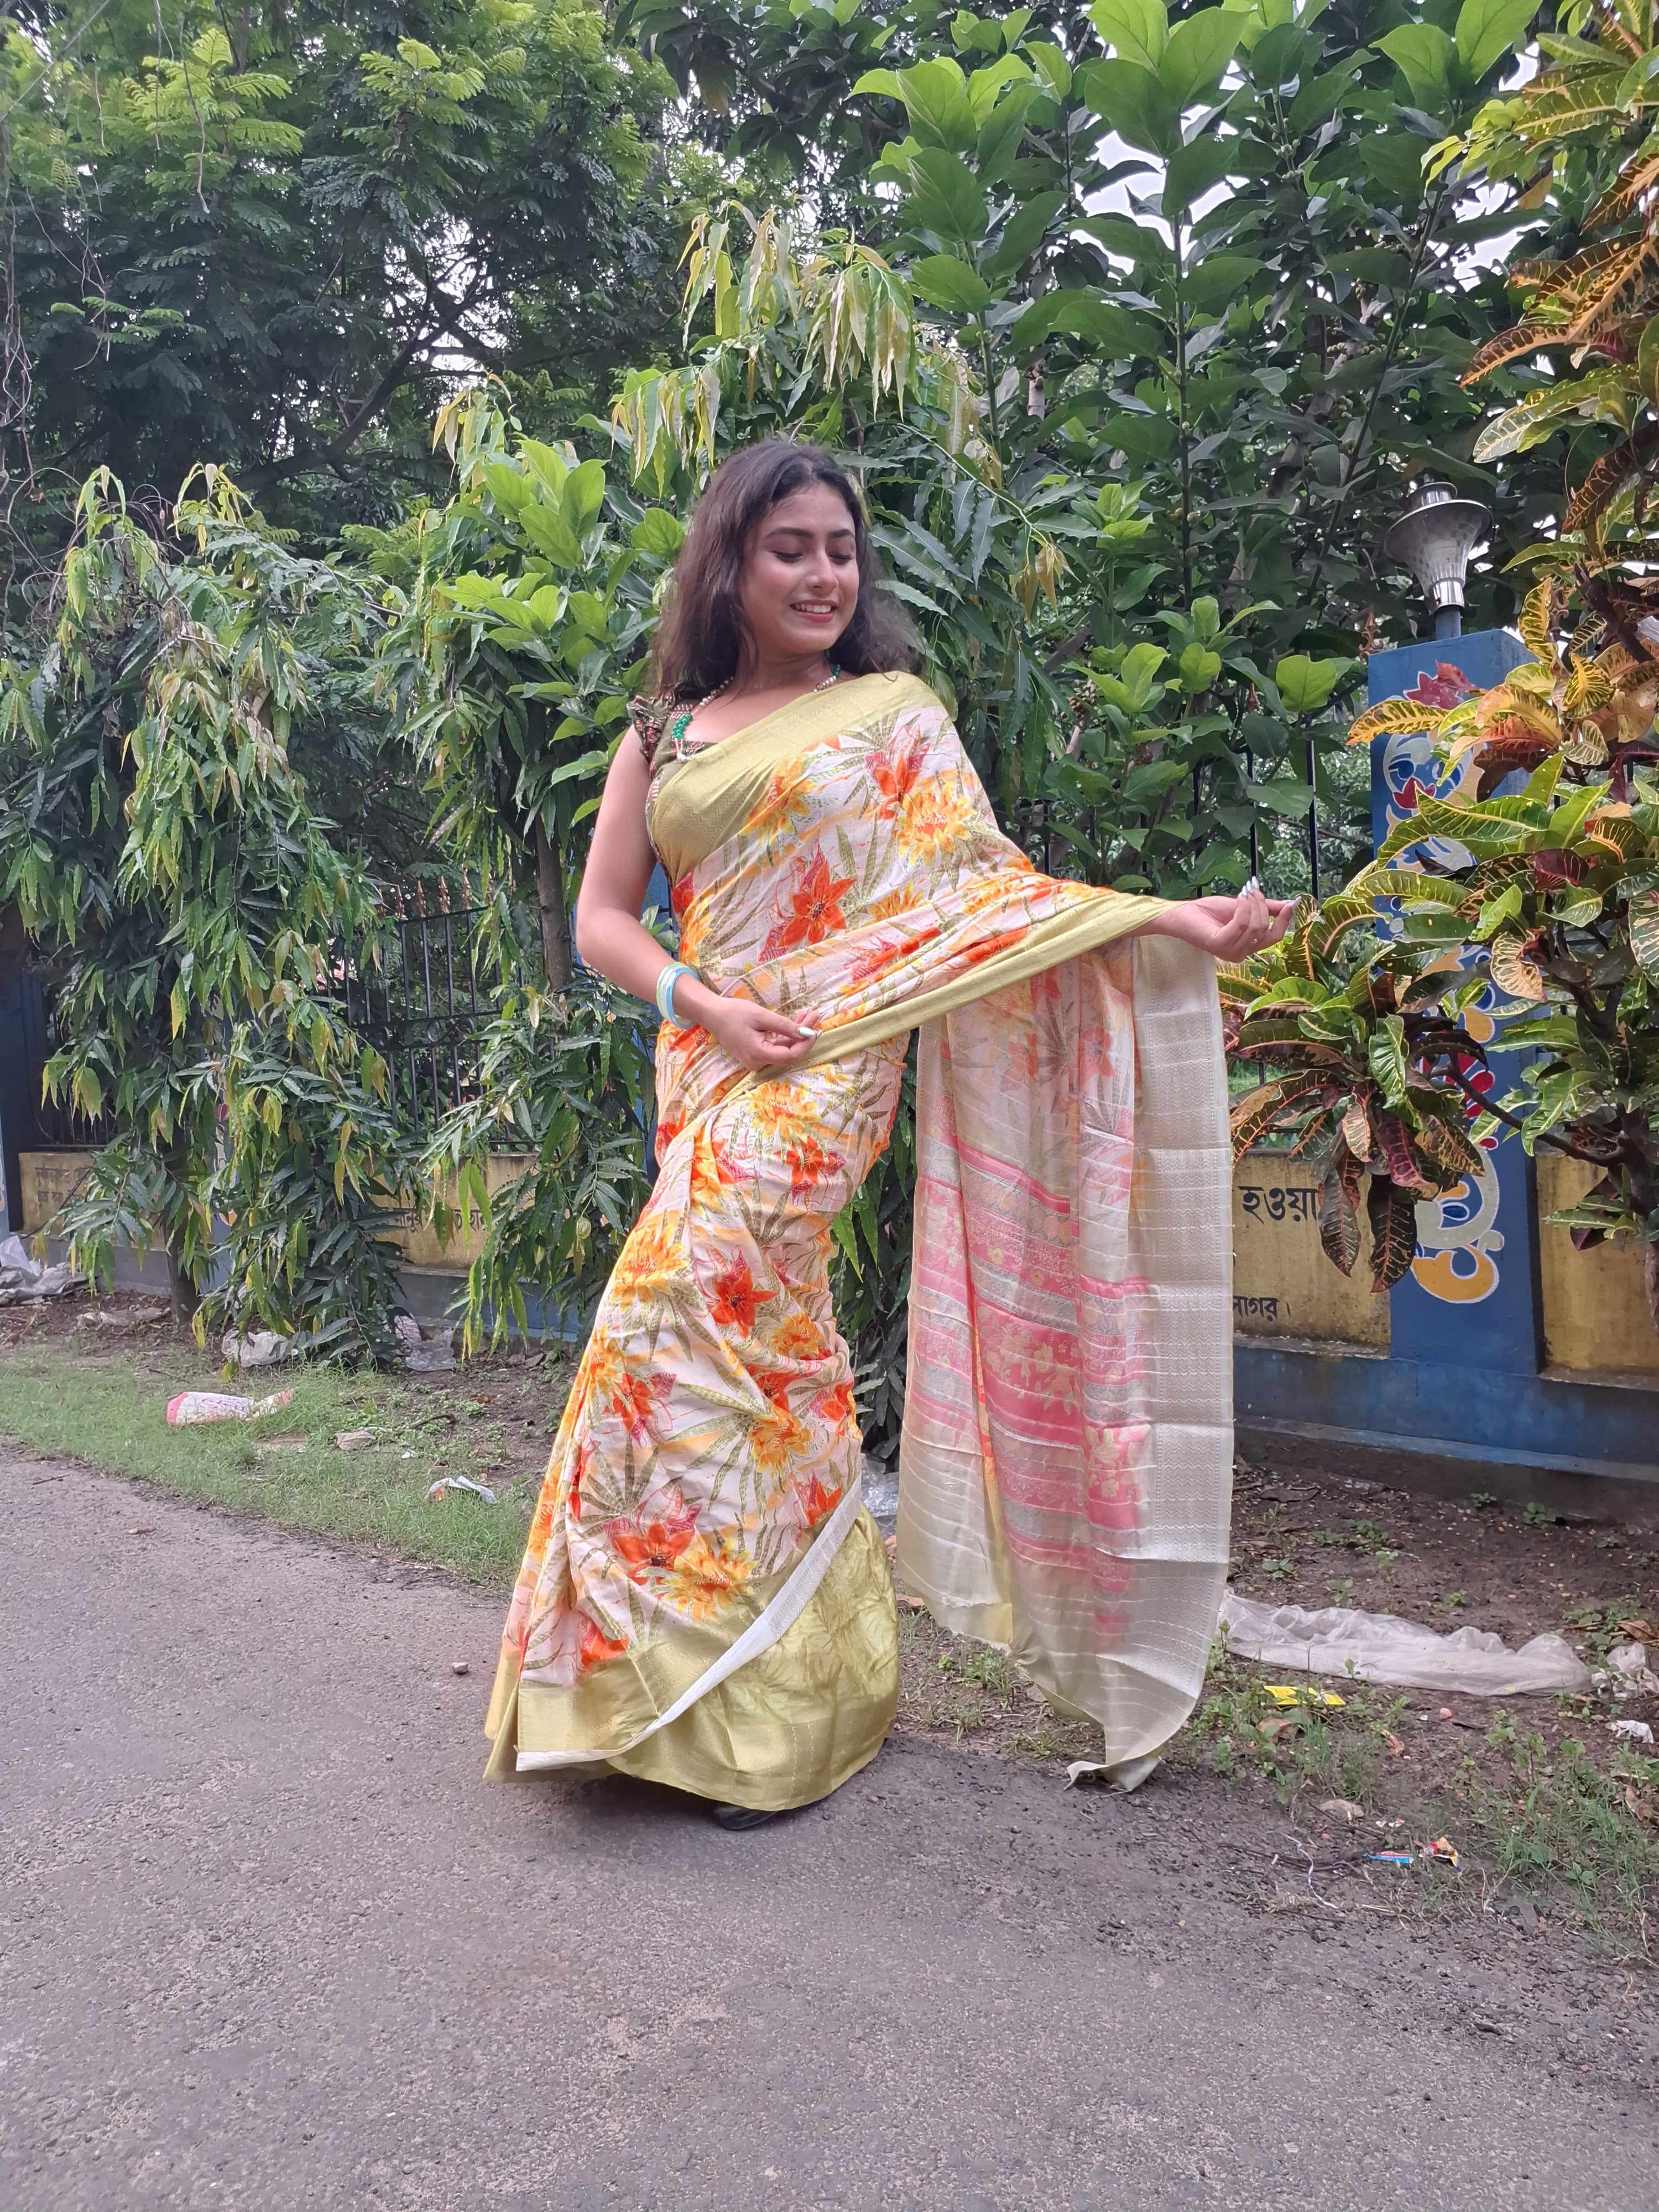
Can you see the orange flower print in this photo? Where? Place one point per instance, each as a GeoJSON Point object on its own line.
{"type": "Point", "coordinates": [596, 1647]}
{"type": "Point", "coordinates": [837, 1405]}
{"type": "Point", "coordinates": [706, 1576]}
{"type": "Point", "coordinates": [886, 952]}
{"type": "Point", "coordinates": [797, 1338]}
{"type": "Point", "coordinates": [707, 1171]}
{"type": "Point", "coordinates": [891, 904]}
{"type": "Point", "coordinates": [785, 806]}
{"type": "Point", "coordinates": [693, 918]}
{"type": "Point", "coordinates": [776, 1439]}
{"type": "Point", "coordinates": [649, 1546]}
{"type": "Point", "coordinates": [811, 911]}
{"type": "Point", "coordinates": [895, 774]}
{"type": "Point", "coordinates": [738, 1299]}
{"type": "Point", "coordinates": [773, 1383]}
{"type": "Point", "coordinates": [818, 1503]}
{"type": "Point", "coordinates": [809, 1165]}
{"type": "Point", "coordinates": [653, 1258]}
{"type": "Point", "coordinates": [933, 817]}
{"type": "Point", "coordinates": [779, 1111]}
{"type": "Point", "coordinates": [999, 941]}
{"type": "Point", "coordinates": [637, 1401]}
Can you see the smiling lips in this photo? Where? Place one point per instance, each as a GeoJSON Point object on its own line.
{"type": "Point", "coordinates": [814, 609]}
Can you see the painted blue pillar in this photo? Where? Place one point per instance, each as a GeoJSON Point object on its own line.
{"type": "Point", "coordinates": [1473, 1294]}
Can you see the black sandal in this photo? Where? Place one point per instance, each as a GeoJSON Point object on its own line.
{"type": "Point", "coordinates": [740, 1816]}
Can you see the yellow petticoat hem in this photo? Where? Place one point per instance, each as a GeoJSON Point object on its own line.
{"type": "Point", "coordinates": [790, 1726]}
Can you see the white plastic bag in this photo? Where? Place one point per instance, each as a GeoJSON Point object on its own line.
{"type": "Point", "coordinates": [1380, 1647]}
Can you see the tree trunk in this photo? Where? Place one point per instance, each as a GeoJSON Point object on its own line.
{"type": "Point", "coordinates": [556, 919]}
{"type": "Point", "coordinates": [185, 1296]}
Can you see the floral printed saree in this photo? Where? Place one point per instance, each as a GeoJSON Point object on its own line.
{"type": "Point", "coordinates": [703, 1600]}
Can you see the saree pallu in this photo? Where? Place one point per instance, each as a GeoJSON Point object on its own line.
{"type": "Point", "coordinates": [703, 1600]}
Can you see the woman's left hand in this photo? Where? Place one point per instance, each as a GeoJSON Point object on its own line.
{"type": "Point", "coordinates": [1229, 929]}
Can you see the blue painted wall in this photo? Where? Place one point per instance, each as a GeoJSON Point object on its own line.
{"type": "Point", "coordinates": [1462, 1377]}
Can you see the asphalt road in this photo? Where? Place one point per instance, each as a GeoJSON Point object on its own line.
{"type": "Point", "coordinates": [267, 1941]}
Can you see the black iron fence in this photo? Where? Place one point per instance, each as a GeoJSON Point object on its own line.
{"type": "Point", "coordinates": [412, 991]}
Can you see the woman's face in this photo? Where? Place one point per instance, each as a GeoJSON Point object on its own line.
{"type": "Point", "coordinates": [800, 579]}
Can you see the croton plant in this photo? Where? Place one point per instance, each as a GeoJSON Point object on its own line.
{"type": "Point", "coordinates": [1359, 1020]}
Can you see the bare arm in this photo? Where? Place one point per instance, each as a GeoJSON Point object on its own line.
{"type": "Point", "coordinates": [1230, 929]}
{"type": "Point", "coordinates": [610, 936]}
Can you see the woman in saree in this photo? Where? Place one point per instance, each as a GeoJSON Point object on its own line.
{"type": "Point", "coordinates": [704, 1601]}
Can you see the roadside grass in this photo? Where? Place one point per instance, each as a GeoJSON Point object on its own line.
{"type": "Point", "coordinates": [109, 1408]}
{"type": "Point", "coordinates": [1545, 1828]}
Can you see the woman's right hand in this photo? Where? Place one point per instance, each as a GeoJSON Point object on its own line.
{"type": "Point", "coordinates": [764, 1043]}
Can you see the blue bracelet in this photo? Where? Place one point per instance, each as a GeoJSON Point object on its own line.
{"type": "Point", "coordinates": [665, 982]}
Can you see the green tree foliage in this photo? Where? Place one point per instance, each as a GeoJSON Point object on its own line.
{"type": "Point", "coordinates": [189, 905]}
{"type": "Point", "coordinates": [527, 602]}
{"type": "Point", "coordinates": [1183, 315]}
{"type": "Point", "coordinates": [1555, 906]}
{"type": "Point", "coordinates": [270, 239]}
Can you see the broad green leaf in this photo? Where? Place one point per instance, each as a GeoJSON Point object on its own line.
{"type": "Point", "coordinates": [1199, 50]}
{"type": "Point", "coordinates": [944, 282]}
{"type": "Point", "coordinates": [1220, 279]}
{"type": "Point", "coordinates": [882, 82]}
{"type": "Point", "coordinates": [1425, 55]}
{"type": "Point", "coordinates": [1489, 30]}
{"type": "Point", "coordinates": [1002, 134]}
{"type": "Point", "coordinates": [1109, 329]}
{"type": "Point", "coordinates": [1146, 784]}
{"type": "Point", "coordinates": [1304, 685]}
{"type": "Point", "coordinates": [935, 93]}
{"type": "Point", "coordinates": [945, 198]}
{"type": "Point", "coordinates": [1051, 65]}
{"type": "Point", "coordinates": [1137, 29]}
{"type": "Point", "coordinates": [584, 496]}
{"type": "Point", "coordinates": [1023, 232]}
{"type": "Point", "coordinates": [1134, 103]}
{"type": "Point", "coordinates": [659, 532]}
{"type": "Point", "coordinates": [1199, 668]}
{"type": "Point", "coordinates": [986, 84]}
{"type": "Point", "coordinates": [1193, 169]}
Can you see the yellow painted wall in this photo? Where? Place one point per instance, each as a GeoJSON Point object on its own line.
{"type": "Point", "coordinates": [1283, 1283]}
{"type": "Point", "coordinates": [1595, 1311]}
{"type": "Point", "coordinates": [422, 1248]}
{"type": "Point", "coordinates": [45, 1179]}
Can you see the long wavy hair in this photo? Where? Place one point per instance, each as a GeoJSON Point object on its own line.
{"type": "Point", "coordinates": [703, 639]}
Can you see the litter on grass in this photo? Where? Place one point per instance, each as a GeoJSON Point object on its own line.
{"type": "Point", "coordinates": [191, 1406]}
{"type": "Point", "coordinates": [1288, 1694]}
{"type": "Point", "coordinates": [23, 1279]}
{"type": "Point", "coordinates": [448, 1482]}
{"type": "Point", "coordinates": [1392, 1858]}
{"type": "Point", "coordinates": [1380, 1647]}
{"type": "Point", "coordinates": [261, 1347]}
{"type": "Point", "coordinates": [1626, 1669]}
{"type": "Point", "coordinates": [1443, 1848]}
{"type": "Point", "coordinates": [1633, 1731]}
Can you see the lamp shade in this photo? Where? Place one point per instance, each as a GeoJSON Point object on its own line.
{"type": "Point", "coordinates": [1434, 538]}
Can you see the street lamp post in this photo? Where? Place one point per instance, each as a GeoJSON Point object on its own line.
{"type": "Point", "coordinates": [1434, 536]}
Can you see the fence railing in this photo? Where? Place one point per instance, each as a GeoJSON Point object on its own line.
{"type": "Point", "coordinates": [412, 991]}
